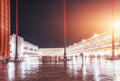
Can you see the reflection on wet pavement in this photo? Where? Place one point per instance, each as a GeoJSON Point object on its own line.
{"type": "Point", "coordinates": [36, 69]}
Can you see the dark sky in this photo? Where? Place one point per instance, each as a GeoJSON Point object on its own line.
{"type": "Point", "coordinates": [41, 21]}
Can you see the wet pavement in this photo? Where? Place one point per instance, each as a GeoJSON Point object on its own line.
{"type": "Point", "coordinates": [36, 69]}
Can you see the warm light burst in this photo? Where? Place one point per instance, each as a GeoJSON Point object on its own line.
{"type": "Point", "coordinates": [95, 35]}
{"type": "Point", "coordinates": [116, 24]}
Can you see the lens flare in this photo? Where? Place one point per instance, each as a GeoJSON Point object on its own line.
{"type": "Point", "coordinates": [116, 24]}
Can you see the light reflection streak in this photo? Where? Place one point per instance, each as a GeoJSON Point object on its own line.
{"type": "Point", "coordinates": [96, 69]}
{"type": "Point", "coordinates": [74, 66]}
{"type": "Point", "coordinates": [21, 69]}
{"type": "Point", "coordinates": [117, 69]}
{"type": "Point", "coordinates": [99, 69]}
{"type": "Point", "coordinates": [11, 71]}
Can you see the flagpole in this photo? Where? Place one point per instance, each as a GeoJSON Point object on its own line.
{"type": "Point", "coordinates": [65, 39]}
{"type": "Point", "coordinates": [113, 45]}
{"type": "Point", "coordinates": [16, 53]}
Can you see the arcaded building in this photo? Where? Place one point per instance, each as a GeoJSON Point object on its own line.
{"type": "Point", "coordinates": [4, 28]}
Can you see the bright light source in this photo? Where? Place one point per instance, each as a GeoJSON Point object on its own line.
{"type": "Point", "coordinates": [74, 43]}
{"type": "Point", "coordinates": [116, 25]}
{"type": "Point", "coordinates": [95, 35]}
{"type": "Point", "coordinates": [83, 40]}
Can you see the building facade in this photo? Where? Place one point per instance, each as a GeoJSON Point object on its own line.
{"type": "Point", "coordinates": [94, 46]}
{"type": "Point", "coordinates": [4, 28]}
{"type": "Point", "coordinates": [24, 48]}
{"type": "Point", "coordinates": [51, 51]}
{"type": "Point", "coordinates": [99, 45]}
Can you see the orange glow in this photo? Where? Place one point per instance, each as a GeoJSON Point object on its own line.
{"type": "Point", "coordinates": [93, 17]}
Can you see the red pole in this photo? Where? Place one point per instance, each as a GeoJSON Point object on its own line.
{"type": "Point", "coordinates": [113, 45]}
{"type": "Point", "coordinates": [64, 18]}
{"type": "Point", "coordinates": [16, 17]}
{"type": "Point", "coordinates": [64, 2]}
{"type": "Point", "coordinates": [16, 55]}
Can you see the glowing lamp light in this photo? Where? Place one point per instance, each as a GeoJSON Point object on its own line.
{"type": "Point", "coordinates": [116, 25]}
{"type": "Point", "coordinates": [75, 44]}
{"type": "Point", "coordinates": [95, 35]}
{"type": "Point", "coordinates": [83, 40]}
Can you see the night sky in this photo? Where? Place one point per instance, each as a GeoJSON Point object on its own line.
{"type": "Point", "coordinates": [41, 21]}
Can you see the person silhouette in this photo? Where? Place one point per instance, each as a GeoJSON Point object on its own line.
{"type": "Point", "coordinates": [81, 55]}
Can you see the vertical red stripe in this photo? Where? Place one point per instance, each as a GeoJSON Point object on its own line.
{"type": "Point", "coordinates": [64, 4]}
{"type": "Point", "coordinates": [113, 2]}
{"type": "Point", "coordinates": [16, 55]}
{"type": "Point", "coordinates": [16, 17]}
{"type": "Point", "coordinates": [113, 44]}
{"type": "Point", "coordinates": [64, 18]}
